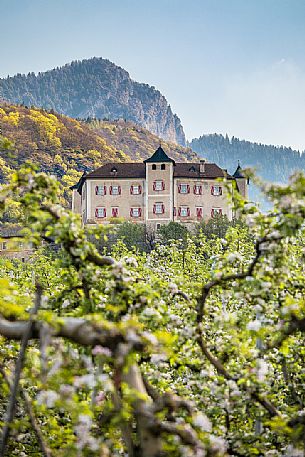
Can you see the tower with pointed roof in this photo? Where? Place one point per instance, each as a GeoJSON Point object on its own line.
{"type": "Point", "coordinates": [242, 181]}
{"type": "Point", "coordinates": [159, 188]}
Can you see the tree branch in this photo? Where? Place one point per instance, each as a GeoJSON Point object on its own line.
{"type": "Point", "coordinates": [263, 401]}
{"type": "Point", "coordinates": [10, 412]}
{"type": "Point", "coordinates": [78, 330]}
{"type": "Point", "coordinates": [232, 277]}
{"type": "Point", "coordinates": [46, 452]}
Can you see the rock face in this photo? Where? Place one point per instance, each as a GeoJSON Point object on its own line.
{"type": "Point", "coordinates": [96, 88]}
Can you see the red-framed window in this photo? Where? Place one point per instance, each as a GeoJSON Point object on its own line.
{"type": "Point", "coordinates": [100, 190]}
{"type": "Point", "coordinates": [158, 185]}
{"type": "Point", "coordinates": [197, 189]}
{"type": "Point", "coordinates": [114, 211]}
{"type": "Point", "coordinates": [100, 212]}
{"type": "Point", "coordinates": [115, 190]}
{"type": "Point", "coordinates": [135, 212]}
{"type": "Point", "coordinates": [199, 212]}
{"type": "Point", "coordinates": [158, 208]}
{"type": "Point", "coordinates": [184, 211]}
{"type": "Point", "coordinates": [136, 189]}
{"type": "Point", "coordinates": [216, 212]}
{"type": "Point", "coordinates": [183, 188]}
{"type": "Point", "coordinates": [216, 190]}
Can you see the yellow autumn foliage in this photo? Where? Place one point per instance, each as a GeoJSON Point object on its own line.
{"type": "Point", "coordinates": [48, 125]}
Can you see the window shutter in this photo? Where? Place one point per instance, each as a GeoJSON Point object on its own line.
{"type": "Point", "coordinates": [154, 185]}
{"type": "Point", "coordinates": [131, 212]}
{"type": "Point", "coordinates": [199, 212]}
{"type": "Point", "coordinates": [96, 212]}
{"type": "Point", "coordinates": [131, 190]}
{"type": "Point", "coordinates": [105, 212]}
{"type": "Point", "coordinates": [188, 188]}
{"type": "Point", "coordinates": [163, 208]}
{"type": "Point", "coordinates": [110, 190]}
{"type": "Point", "coordinates": [179, 189]}
{"type": "Point", "coordinates": [105, 190]}
{"type": "Point", "coordinates": [96, 190]}
{"type": "Point", "coordinates": [154, 209]}
{"type": "Point", "coordinates": [200, 190]}
{"type": "Point", "coordinates": [188, 212]}
{"type": "Point", "coordinates": [140, 212]}
{"type": "Point", "coordinates": [220, 190]}
{"type": "Point", "coordinates": [163, 185]}
{"type": "Point", "coordinates": [119, 190]}
{"type": "Point", "coordinates": [212, 213]}
{"type": "Point", "coordinates": [212, 190]}
{"type": "Point", "coordinates": [220, 212]}
{"type": "Point", "coordinates": [179, 211]}
{"type": "Point", "coordinates": [195, 189]}
{"type": "Point", "coordinates": [140, 189]}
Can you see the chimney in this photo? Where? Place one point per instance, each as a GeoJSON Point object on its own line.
{"type": "Point", "coordinates": [202, 166]}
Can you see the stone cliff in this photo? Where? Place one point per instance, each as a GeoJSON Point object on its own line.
{"type": "Point", "coordinates": [96, 88]}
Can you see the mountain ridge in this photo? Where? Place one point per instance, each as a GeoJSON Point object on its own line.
{"type": "Point", "coordinates": [99, 88]}
{"type": "Point", "coordinates": [273, 163]}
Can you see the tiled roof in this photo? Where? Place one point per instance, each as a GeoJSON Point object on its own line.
{"type": "Point", "coordinates": [191, 170]}
{"type": "Point", "coordinates": [119, 170]}
{"type": "Point", "coordinates": [138, 170]}
{"type": "Point", "coordinates": [159, 156]}
{"type": "Point", "coordinates": [10, 231]}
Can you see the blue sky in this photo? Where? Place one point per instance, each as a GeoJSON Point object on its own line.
{"type": "Point", "coordinates": [225, 66]}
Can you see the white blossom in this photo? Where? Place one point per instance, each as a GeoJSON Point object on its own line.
{"type": "Point", "coordinates": [47, 398]}
{"type": "Point", "coordinates": [254, 325]}
{"type": "Point", "coordinates": [202, 421]}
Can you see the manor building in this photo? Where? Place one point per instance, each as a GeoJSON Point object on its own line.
{"type": "Point", "coordinates": [156, 192]}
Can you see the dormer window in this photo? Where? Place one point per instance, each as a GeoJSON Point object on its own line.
{"type": "Point", "coordinates": [114, 171]}
{"type": "Point", "coordinates": [192, 169]}
{"type": "Point", "coordinates": [162, 166]}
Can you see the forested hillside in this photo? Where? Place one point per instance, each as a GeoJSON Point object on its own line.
{"type": "Point", "coordinates": [96, 88]}
{"type": "Point", "coordinates": [68, 147]}
{"type": "Point", "coordinates": [273, 163]}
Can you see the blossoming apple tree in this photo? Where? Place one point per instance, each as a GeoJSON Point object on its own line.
{"type": "Point", "coordinates": [193, 352]}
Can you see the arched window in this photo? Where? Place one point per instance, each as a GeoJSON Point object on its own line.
{"type": "Point", "coordinates": [154, 166]}
{"type": "Point", "coordinates": [162, 166]}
